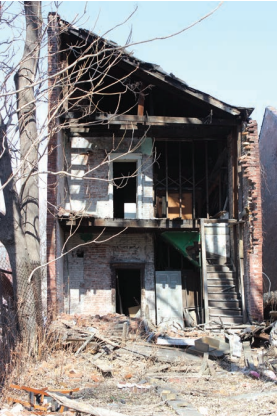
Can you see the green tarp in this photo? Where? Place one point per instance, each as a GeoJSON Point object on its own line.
{"type": "Point", "coordinates": [182, 240]}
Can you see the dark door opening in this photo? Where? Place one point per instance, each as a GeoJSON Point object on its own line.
{"type": "Point", "coordinates": [128, 290]}
{"type": "Point", "coordinates": [125, 188]}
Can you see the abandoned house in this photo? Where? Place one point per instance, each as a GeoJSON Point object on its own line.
{"type": "Point", "coordinates": [268, 155]}
{"type": "Point", "coordinates": [157, 203]}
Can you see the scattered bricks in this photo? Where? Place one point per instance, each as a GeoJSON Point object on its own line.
{"type": "Point", "coordinates": [174, 380]}
{"type": "Point", "coordinates": [74, 374]}
{"type": "Point", "coordinates": [95, 378]}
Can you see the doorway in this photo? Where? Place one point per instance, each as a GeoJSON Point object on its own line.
{"type": "Point", "coordinates": [128, 291]}
{"type": "Point", "coordinates": [125, 187]}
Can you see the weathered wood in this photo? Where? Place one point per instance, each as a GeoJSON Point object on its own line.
{"type": "Point", "coordinates": [180, 180]}
{"type": "Point", "coordinates": [83, 346]}
{"type": "Point", "coordinates": [207, 179]}
{"type": "Point", "coordinates": [204, 269]}
{"type": "Point", "coordinates": [166, 179]}
{"type": "Point", "coordinates": [29, 405]}
{"type": "Point", "coordinates": [175, 341]}
{"type": "Point", "coordinates": [125, 331]}
{"type": "Point", "coordinates": [75, 117]}
{"type": "Point", "coordinates": [82, 407]}
{"type": "Point", "coordinates": [103, 367]}
{"type": "Point", "coordinates": [193, 181]}
{"type": "Point", "coordinates": [162, 223]}
{"type": "Point", "coordinates": [141, 100]}
{"type": "Point", "coordinates": [240, 269]}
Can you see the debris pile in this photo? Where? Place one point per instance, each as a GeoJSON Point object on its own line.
{"type": "Point", "coordinates": [116, 365]}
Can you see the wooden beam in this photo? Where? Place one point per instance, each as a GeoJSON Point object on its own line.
{"type": "Point", "coordinates": [75, 118]}
{"type": "Point", "coordinates": [174, 85]}
{"type": "Point", "coordinates": [157, 223]}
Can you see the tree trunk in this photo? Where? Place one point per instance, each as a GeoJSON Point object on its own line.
{"type": "Point", "coordinates": [29, 146]}
{"type": "Point", "coordinates": [13, 238]}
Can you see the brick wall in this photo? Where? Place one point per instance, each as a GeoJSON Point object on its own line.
{"type": "Point", "coordinates": [253, 238]}
{"type": "Point", "coordinates": [88, 280]}
{"type": "Point", "coordinates": [95, 196]}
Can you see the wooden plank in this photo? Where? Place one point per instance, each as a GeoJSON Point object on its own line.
{"type": "Point", "coordinates": [83, 407]}
{"type": "Point", "coordinates": [83, 346]}
{"type": "Point", "coordinates": [155, 223]}
{"type": "Point", "coordinates": [175, 341]}
{"type": "Point", "coordinates": [241, 270]}
{"type": "Point", "coordinates": [43, 390]}
{"type": "Point", "coordinates": [26, 404]}
{"type": "Point", "coordinates": [177, 202]}
{"type": "Point", "coordinates": [221, 221]}
{"type": "Point", "coordinates": [162, 223]}
{"type": "Point", "coordinates": [204, 269]}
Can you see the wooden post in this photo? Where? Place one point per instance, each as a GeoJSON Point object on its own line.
{"type": "Point", "coordinates": [166, 179]}
{"type": "Point", "coordinates": [141, 104]}
{"type": "Point", "coordinates": [193, 183]}
{"type": "Point", "coordinates": [204, 269]}
{"type": "Point", "coordinates": [180, 182]}
{"type": "Point", "coordinates": [241, 269]}
{"type": "Point", "coordinates": [207, 179]}
{"type": "Point", "coordinates": [235, 173]}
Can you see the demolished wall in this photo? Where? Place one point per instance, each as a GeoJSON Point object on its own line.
{"type": "Point", "coordinates": [252, 215]}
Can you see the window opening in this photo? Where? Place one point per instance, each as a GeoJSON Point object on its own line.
{"type": "Point", "coordinates": [124, 189]}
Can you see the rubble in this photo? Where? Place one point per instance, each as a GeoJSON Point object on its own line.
{"type": "Point", "coordinates": [112, 366]}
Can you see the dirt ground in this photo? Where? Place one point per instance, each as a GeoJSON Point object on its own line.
{"type": "Point", "coordinates": [138, 378]}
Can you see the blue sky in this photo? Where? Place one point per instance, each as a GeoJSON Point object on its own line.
{"type": "Point", "coordinates": [231, 55]}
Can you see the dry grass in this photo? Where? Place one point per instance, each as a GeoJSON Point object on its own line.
{"type": "Point", "coordinates": [54, 364]}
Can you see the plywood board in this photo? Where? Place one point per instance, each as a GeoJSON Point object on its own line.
{"type": "Point", "coordinates": [174, 206]}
